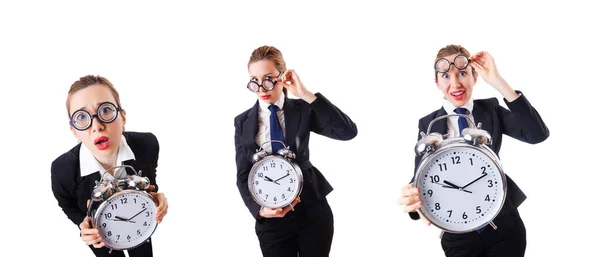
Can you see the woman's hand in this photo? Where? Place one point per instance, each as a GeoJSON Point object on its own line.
{"type": "Point", "coordinates": [291, 81]}
{"type": "Point", "coordinates": [277, 213]}
{"type": "Point", "coordinates": [410, 198]}
{"type": "Point", "coordinates": [163, 204]}
{"type": "Point", "coordinates": [90, 235]}
{"type": "Point", "coordinates": [484, 64]}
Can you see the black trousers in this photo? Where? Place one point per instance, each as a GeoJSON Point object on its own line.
{"type": "Point", "coordinates": [143, 250]}
{"type": "Point", "coordinates": [306, 231]}
{"type": "Point", "coordinates": [509, 240]}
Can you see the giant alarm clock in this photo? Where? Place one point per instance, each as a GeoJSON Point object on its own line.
{"type": "Point", "coordinates": [461, 182]}
{"type": "Point", "coordinates": [123, 211]}
{"type": "Point", "coordinates": [275, 180]}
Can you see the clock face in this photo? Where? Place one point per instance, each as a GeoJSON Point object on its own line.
{"type": "Point", "coordinates": [126, 220]}
{"type": "Point", "coordinates": [274, 182]}
{"type": "Point", "coordinates": [462, 189]}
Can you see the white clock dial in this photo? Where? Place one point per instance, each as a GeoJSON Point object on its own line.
{"type": "Point", "coordinates": [462, 189]}
{"type": "Point", "coordinates": [126, 220]}
{"type": "Point", "coordinates": [273, 182]}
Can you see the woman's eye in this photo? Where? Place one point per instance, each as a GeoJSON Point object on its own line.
{"type": "Point", "coordinates": [254, 79]}
{"type": "Point", "coordinates": [445, 75]}
{"type": "Point", "coordinates": [269, 78]}
{"type": "Point", "coordinates": [81, 116]}
{"type": "Point", "coordinates": [106, 110]}
{"type": "Point", "coordinates": [462, 73]}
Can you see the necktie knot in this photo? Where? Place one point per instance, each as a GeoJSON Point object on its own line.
{"type": "Point", "coordinates": [273, 108]}
{"type": "Point", "coordinates": [461, 110]}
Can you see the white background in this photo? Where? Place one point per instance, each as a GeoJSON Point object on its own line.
{"type": "Point", "coordinates": [181, 70]}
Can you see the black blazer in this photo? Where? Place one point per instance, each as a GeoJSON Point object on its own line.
{"type": "Point", "coordinates": [320, 116]}
{"type": "Point", "coordinates": [522, 122]}
{"type": "Point", "coordinates": [72, 191]}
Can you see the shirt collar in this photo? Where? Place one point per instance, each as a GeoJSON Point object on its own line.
{"type": "Point", "coordinates": [265, 106]}
{"type": "Point", "coordinates": [449, 107]}
{"type": "Point", "coordinates": [88, 163]}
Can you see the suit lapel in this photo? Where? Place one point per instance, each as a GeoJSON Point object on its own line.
{"type": "Point", "coordinates": [250, 128]}
{"type": "Point", "coordinates": [440, 126]}
{"type": "Point", "coordinates": [292, 120]}
{"type": "Point", "coordinates": [480, 115]}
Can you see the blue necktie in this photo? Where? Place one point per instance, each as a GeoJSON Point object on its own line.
{"type": "Point", "coordinates": [462, 121]}
{"type": "Point", "coordinates": [276, 131]}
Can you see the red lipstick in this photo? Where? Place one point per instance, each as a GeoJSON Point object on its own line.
{"type": "Point", "coordinates": [102, 143]}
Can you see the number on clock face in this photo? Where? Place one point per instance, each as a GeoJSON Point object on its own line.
{"type": "Point", "coordinates": [274, 182]}
{"type": "Point", "coordinates": [127, 220]}
{"type": "Point", "coordinates": [460, 188]}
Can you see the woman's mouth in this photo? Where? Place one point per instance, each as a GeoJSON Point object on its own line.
{"type": "Point", "coordinates": [458, 95]}
{"type": "Point", "coordinates": [102, 142]}
{"type": "Point", "coordinates": [265, 97]}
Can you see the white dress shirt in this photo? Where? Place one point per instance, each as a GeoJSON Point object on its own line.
{"type": "Point", "coordinates": [453, 130]}
{"type": "Point", "coordinates": [264, 132]}
{"type": "Point", "coordinates": [88, 163]}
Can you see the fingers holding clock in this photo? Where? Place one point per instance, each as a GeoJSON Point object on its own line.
{"type": "Point", "coordinates": [279, 212]}
{"type": "Point", "coordinates": [151, 188]}
{"type": "Point", "coordinates": [270, 213]}
{"type": "Point", "coordinates": [163, 206]}
{"type": "Point", "coordinates": [410, 198]}
{"type": "Point", "coordinates": [89, 235]}
{"type": "Point", "coordinates": [291, 206]}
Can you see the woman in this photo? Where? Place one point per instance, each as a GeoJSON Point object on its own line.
{"type": "Point", "coordinates": [307, 230]}
{"type": "Point", "coordinates": [456, 73]}
{"type": "Point", "coordinates": [98, 122]}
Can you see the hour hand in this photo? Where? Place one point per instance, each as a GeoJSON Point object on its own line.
{"type": "Point", "coordinates": [451, 185]}
{"type": "Point", "coordinates": [270, 180]}
{"type": "Point", "coordinates": [117, 218]}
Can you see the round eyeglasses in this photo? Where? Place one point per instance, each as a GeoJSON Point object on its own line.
{"type": "Point", "coordinates": [461, 62]}
{"type": "Point", "coordinates": [107, 112]}
{"type": "Point", "coordinates": [268, 84]}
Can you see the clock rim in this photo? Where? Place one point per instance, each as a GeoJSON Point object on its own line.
{"type": "Point", "coordinates": [295, 168]}
{"type": "Point", "coordinates": [105, 203]}
{"type": "Point", "coordinates": [455, 143]}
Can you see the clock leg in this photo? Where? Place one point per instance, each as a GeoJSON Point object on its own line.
{"type": "Point", "coordinates": [291, 206]}
{"type": "Point", "coordinates": [493, 225]}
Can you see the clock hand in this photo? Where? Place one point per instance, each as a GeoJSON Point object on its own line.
{"type": "Point", "coordinates": [122, 219]}
{"type": "Point", "coordinates": [484, 174]}
{"type": "Point", "coordinates": [450, 184]}
{"type": "Point", "coordinates": [271, 180]}
{"type": "Point", "coordinates": [457, 188]}
{"type": "Point", "coordinates": [282, 177]}
{"type": "Point", "coordinates": [453, 186]}
{"type": "Point", "coordinates": [136, 214]}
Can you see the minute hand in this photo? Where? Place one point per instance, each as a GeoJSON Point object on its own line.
{"type": "Point", "coordinates": [484, 174]}
{"type": "Point", "coordinates": [136, 214]}
{"type": "Point", "coordinates": [282, 177]}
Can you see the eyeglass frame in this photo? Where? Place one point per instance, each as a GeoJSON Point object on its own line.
{"type": "Point", "coordinates": [451, 63]}
{"type": "Point", "coordinates": [263, 82]}
{"type": "Point", "coordinates": [92, 116]}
